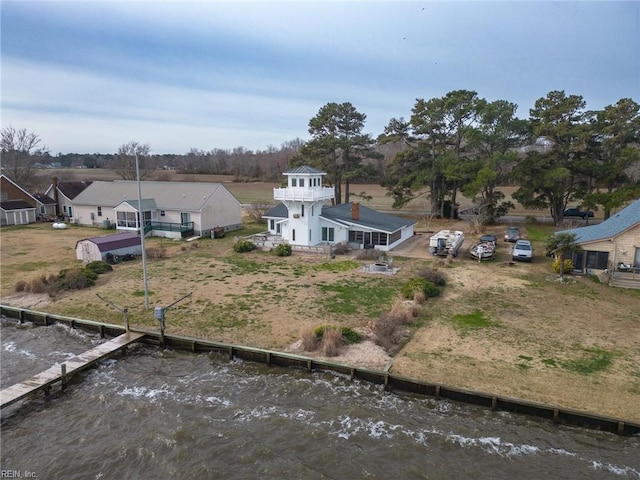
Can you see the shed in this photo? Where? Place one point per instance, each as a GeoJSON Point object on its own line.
{"type": "Point", "coordinates": [96, 248]}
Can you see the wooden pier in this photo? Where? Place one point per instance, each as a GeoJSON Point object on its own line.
{"type": "Point", "coordinates": [61, 372]}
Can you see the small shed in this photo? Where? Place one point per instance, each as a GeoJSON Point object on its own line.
{"type": "Point", "coordinates": [96, 248]}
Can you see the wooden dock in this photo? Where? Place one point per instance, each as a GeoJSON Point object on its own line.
{"type": "Point", "coordinates": [61, 372]}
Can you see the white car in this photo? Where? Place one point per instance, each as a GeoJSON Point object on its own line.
{"type": "Point", "coordinates": [522, 251]}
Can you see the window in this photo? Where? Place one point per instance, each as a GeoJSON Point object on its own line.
{"type": "Point", "coordinates": [356, 236]}
{"type": "Point", "coordinates": [597, 260]}
{"type": "Point", "coordinates": [301, 183]}
{"type": "Point", "coordinates": [294, 182]}
{"type": "Point", "coordinates": [127, 219]}
{"type": "Point", "coordinates": [293, 234]}
{"type": "Point", "coordinates": [99, 211]}
{"type": "Point", "coordinates": [327, 234]}
{"type": "Point", "coordinates": [185, 217]}
{"type": "Point", "coordinates": [302, 210]}
{"type": "Point", "coordinates": [162, 213]}
{"type": "Point", "coordinates": [272, 224]}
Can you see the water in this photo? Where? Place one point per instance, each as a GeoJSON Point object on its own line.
{"type": "Point", "coordinates": [158, 414]}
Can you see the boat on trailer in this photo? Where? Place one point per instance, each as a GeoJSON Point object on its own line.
{"type": "Point", "coordinates": [446, 242]}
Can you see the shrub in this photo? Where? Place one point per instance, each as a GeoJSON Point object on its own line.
{"type": "Point", "coordinates": [243, 245]}
{"type": "Point", "coordinates": [419, 284]}
{"type": "Point", "coordinates": [340, 248]}
{"type": "Point", "coordinates": [331, 342]}
{"type": "Point", "coordinates": [568, 265]}
{"type": "Point", "coordinates": [310, 340]}
{"type": "Point", "coordinates": [433, 275]}
{"type": "Point", "coordinates": [388, 332]}
{"type": "Point", "coordinates": [20, 286]}
{"type": "Point", "coordinates": [283, 250]}
{"type": "Point", "coordinates": [76, 278]}
{"type": "Point", "coordinates": [99, 267]}
{"type": "Point", "coordinates": [349, 336]}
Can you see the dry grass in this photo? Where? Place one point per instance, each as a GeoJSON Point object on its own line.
{"type": "Point", "coordinates": [538, 330]}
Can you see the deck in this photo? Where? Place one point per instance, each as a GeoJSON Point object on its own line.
{"type": "Point", "coordinates": [44, 380]}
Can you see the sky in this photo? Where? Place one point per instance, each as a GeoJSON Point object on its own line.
{"type": "Point", "coordinates": [89, 76]}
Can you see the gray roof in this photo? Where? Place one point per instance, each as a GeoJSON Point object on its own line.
{"type": "Point", "coordinates": [72, 189]}
{"type": "Point", "coordinates": [279, 211]}
{"type": "Point", "coordinates": [167, 195]}
{"type": "Point", "coordinates": [367, 218]}
{"type": "Point", "coordinates": [147, 204]}
{"type": "Point", "coordinates": [42, 198]}
{"type": "Point", "coordinates": [611, 227]}
{"type": "Point", "coordinates": [16, 205]}
{"type": "Point", "coordinates": [115, 241]}
{"type": "Point", "coordinates": [304, 169]}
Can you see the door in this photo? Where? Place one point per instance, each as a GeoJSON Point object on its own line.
{"type": "Point", "coordinates": [367, 238]}
{"type": "Point", "coordinates": [185, 217]}
{"type": "Point", "coordinates": [637, 258]}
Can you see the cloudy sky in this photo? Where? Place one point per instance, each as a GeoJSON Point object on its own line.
{"type": "Point", "coordinates": [89, 76]}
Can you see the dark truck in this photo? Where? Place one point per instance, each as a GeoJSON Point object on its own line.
{"type": "Point", "coordinates": [576, 212]}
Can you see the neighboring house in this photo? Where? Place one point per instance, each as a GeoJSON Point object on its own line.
{"type": "Point", "coordinates": [97, 248]}
{"type": "Point", "coordinates": [169, 209]}
{"type": "Point", "coordinates": [47, 207]}
{"type": "Point", "coordinates": [608, 244]}
{"type": "Point", "coordinates": [303, 219]}
{"type": "Point", "coordinates": [64, 193]}
{"type": "Point", "coordinates": [18, 206]}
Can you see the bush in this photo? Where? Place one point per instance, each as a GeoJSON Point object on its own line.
{"type": "Point", "coordinates": [388, 330]}
{"type": "Point", "coordinates": [20, 286]}
{"type": "Point", "coordinates": [434, 276]}
{"type": "Point", "coordinates": [349, 336]}
{"type": "Point", "coordinates": [341, 248]}
{"type": "Point", "coordinates": [283, 250]}
{"type": "Point", "coordinates": [419, 284]}
{"type": "Point", "coordinates": [568, 265]}
{"type": "Point", "coordinates": [331, 342]}
{"type": "Point", "coordinates": [243, 245]}
{"type": "Point", "coordinates": [310, 340]}
{"type": "Point", "coordinates": [76, 279]}
{"type": "Point", "coordinates": [99, 267]}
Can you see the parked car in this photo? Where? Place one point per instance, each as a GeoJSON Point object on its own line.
{"type": "Point", "coordinates": [512, 235]}
{"type": "Point", "coordinates": [522, 251]}
{"type": "Point", "coordinates": [576, 212]}
{"type": "Point", "coordinates": [489, 237]}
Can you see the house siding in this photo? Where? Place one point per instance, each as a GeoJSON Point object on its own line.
{"type": "Point", "coordinates": [621, 248]}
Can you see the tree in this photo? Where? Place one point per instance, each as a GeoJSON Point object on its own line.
{"type": "Point", "coordinates": [553, 178]}
{"type": "Point", "coordinates": [338, 146]}
{"type": "Point", "coordinates": [560, 244]}
{"type": "Point", "coordinates": [125, 160]}
{"type": "Point", "coordinates": [493, 140]}
{"type": "Point", "coordinates": [20, 151]}
{"type": "Point", "coordinates": [614, 140]}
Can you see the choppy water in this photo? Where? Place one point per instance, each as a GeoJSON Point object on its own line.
{"type": "Point", "coordinates": [160, 414]}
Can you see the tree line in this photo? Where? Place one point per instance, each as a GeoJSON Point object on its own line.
{"type": "Point", "coordinates": [457, 144]}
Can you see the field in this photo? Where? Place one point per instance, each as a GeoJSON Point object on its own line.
{"type": "Point", "coordinates": [498, 327]}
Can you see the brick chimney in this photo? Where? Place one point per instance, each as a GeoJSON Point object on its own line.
{"type": "Point", "coordinates": [56, 195]}
{"type": "Point", "coordinates": [355, 211]}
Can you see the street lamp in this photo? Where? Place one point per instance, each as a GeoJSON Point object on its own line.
{"type": "Point", "coordinates": [141, 227]}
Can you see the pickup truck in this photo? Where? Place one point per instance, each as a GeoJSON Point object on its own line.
{"type": "Point", "coordinates": [576, 212]}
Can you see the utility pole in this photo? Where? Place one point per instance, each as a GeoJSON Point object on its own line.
{"type": "Point", "coordinates": [141, 226]}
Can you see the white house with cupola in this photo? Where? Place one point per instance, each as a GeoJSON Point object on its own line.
{"type": "Point", "coordinates": [305, 217]}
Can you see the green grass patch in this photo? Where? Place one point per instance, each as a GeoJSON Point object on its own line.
{"type": "Point", "coordinates": [140, 293]}
{"type": "Point", "coordinates": [539, 232]}
{"type": "Point", "coordinates": [593, 360]}
{"type": "Point", "coordinates": [472, 321]}
{"type": "Point", "coordinates": [342, 266]}
{"type": "Point", "coordinates": [349, 297]}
